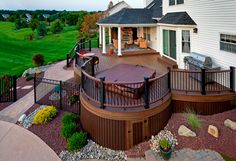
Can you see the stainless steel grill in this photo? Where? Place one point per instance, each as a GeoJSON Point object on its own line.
{"type": "Point", "coordinates": [198, 61]}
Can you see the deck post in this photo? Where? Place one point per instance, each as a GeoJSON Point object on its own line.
{"type": "Point", "coordinates": [76, 58]}
{"type": "Point", "coordinates": [100, 36]}
{"type": "Point", "coordinates": [109, 35]}
{"type": "Point", "coordinates": [98, 45]}
{"type": "Point", "coordinates": [92, 66]}
{"type": "Point", "coordinates": [90, 45]}
{"type": "Point", "coordinates": [14, 89]}
{"type": "Point", "coordinates": [203, 82]}
{"type": "Point", "coordinates": [119, 41]}
{"type": "Point", "coordinates": [104, 40]}
{"type": "Point", "coordinates": [82, 77]}
{"type": "Point", "coordinates": [102, 93]}
{"type": "Point", "coordinates": [146, 92]}
{"type": "Point", "coordinates": [169, 78]}
{"type": "Point", "coordinates": [232, 79]}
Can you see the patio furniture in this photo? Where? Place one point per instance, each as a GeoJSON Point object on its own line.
{"type": "Point", "coordinates": [115, 43]}
{"type": "Point", "coordinates": [143, 44]}
{"type": "Point", "coordinates": [137, 42]}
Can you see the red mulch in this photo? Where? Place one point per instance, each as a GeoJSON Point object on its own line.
{"type": "Point", "coordinates": [50, 133]}
{"type": "Point", "coordinates": [21, 82]}
{"type": "Point", "coordinates": [225, 144]}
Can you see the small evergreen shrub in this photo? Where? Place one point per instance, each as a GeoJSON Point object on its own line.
{"type": "Point", "coordinates": [45, 115]}
{"type": "Point", "coordinates": [77, 141]}
{"type": "Point", "coordinates": [192, 119]}
{"type": "Point", "coordinates": [68, 130]}
{"type": "Point", "coordinates": [38, 60]}
{"type": "Point", "coordinates": [29, 78]}
{"type": "Point", "coordinates": [69, 118]}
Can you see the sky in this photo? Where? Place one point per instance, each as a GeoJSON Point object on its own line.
{"type": "Point", "coordinates": [72, 5]}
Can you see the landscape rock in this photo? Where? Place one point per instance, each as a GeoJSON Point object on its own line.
{"type": "Point", "coordinates": [184, 131]}
{"type": "Point", "coordinates": [22, 117]}
{"type": "Point", "coordinates": [230, 124]}
{"type": "Point", "coordinates": [36, 70]}
{"type": "Point", "coordinates": [212, 130]}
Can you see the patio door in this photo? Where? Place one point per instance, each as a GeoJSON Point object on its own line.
{"type": "Point", "coordinates": [169, 43]}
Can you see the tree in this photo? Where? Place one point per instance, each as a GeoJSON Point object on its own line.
{"type": "Point", "coordinates": [79, 23]}
{"type": "Point", "coordinates": [71, 19]}
{"type": "Point", "coordinates": [20, 23]}
{"type": "Point", "coordinates": [89, 25]}
{"type": "Point", "coordinates": [42, 29]}
{"type": "Point", "coordinates": [1, 18]}
{"type": "Point", "coordinates": [57, 26]}
{"type": "Point", "coordinates": [34, 23]}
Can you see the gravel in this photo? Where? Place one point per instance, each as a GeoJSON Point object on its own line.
{"type": "Point", "coordinates": [33, 70]}
{"type": "Point", "coordinates": [29, 120]}
{"type": "Point", "coordinates": [93, 151]}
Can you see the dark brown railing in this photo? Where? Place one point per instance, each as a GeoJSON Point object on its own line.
{"type": "Point", "coordinates": [8, 91]}
{"type": "Point", "coordinates": [202, 81]}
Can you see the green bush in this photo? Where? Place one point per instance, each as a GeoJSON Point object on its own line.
{"type": "Point", "coordinates": [57, 26]}
{"type": "Point", "coordinates": [29, 78]}
{"type": "Point", "coordinates": [69, 118]}
{"type": "Point", "coordinates": [77, 141]}
{"type": "Point", "coordinates": [38, 60]}
{"type": "Point", "coordinates": [192, 119]}
{"type": "Point", "coordinates": [45, 115]}
{"type": "Point", "coordinates": [68, 130]}
{"type": "Point", "coordinates": [42, 29]}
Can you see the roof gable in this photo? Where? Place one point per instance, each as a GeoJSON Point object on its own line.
{"type": "Point", "coordinates": [177, 18]}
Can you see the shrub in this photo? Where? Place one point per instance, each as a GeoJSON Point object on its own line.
{"type": "Point", "coordinates": [29, 78]}
{"type": "Point", "coordinates": [42, 29]}
{"type": "Point", "coordinates": [45, 115]}
{"type": "Point", "coordinates": [34, 23]}
{"type": "Point", "coordinates": [38, 60]}
{"type": "Point", "coordinates": [57, 26]}
{"type": "Point", "coordinates": [69, 118]}
{"type": "Point", "coordinates": [192, 119]}
{"type": "Point", "coordinates": [68, 130]}
{"type": "Point", "coordinates": [77, 141]}
{"type": "Point", "coordinates": [165, 144]}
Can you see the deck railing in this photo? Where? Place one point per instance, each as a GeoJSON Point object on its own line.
{"type": "Point", "coordinates": [202, 81]}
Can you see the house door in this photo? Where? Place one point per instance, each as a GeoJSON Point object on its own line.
{"type": "Point", "coordinates": [169, 43]}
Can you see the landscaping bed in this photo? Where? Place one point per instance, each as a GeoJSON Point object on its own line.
{"type": "Point", "coordinates": [21, 82]}
{"type": "Point", "coordinates": [50, 132]}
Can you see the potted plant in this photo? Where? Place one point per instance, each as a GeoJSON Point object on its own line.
{"type": "Point", "coordinates": [164, 143]}
{"type": "Point", "coordinates": [165, 148]}
{"type": "Point", "coordinates": [111, 51]}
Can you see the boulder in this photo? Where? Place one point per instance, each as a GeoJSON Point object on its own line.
{"type": "Point", "coordinates": [22, 117]}
{"type": "Point", "coordinates": [184, 131]}
{"type": "Point", "coordinates": [212, 130]}
{"type": "Point", "coordinates": [230, 124]}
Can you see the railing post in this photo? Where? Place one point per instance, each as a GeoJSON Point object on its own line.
{"type": "Point", "coordinates": [169, 78]}
{"type": "Point", "coordinates": [98, 43]}
{"type": "Point", "coordinates": [232, 79]}
{"type": "Point", "coordinates": [146, 92]}
{"type": "Point", "coordinates": [14, 89]}
{"type": "Point", "coordinates": [84, 44]}
{"type": "Point", "coordinates": [92, 66]}
{"type": "Point", "coordinates": [90, 45]}
{"type": "Point", "coordinates": [60, 94]}
{"type": "Point", "coordinates": [67, 60]}
{"type": "Point", "coordinates": [82, 77]}
{"type": "Point", "coordinates": [35, 92]}
{"type": "Point", "coordinates": [102, 93]}
{"type": "Point", "coordinates": [203, 81]}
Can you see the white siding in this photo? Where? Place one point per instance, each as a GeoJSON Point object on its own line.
{"type": "Point", "coordinates": [212, 18]}
{"type": "Point", "coordinates": [118, 8]}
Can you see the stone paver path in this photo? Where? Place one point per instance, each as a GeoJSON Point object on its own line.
{"type": "Point", "coordinates": [15, 110]}
{"type": "Point", "coordinates": [19, 144]}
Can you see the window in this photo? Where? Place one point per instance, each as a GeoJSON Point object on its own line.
{"type": "Point", "coordinates": [228, 43]}
{"type": "Point", "coordinates": [180, 1]}
{"type": "Point", "coordinates": [186, 41]}
{"type": "Point", "coordinates": [146, 33]}
{"type": "Point", "coordinates": [174, 2]}
{"type": "Point", "coordinates": [171, 2]}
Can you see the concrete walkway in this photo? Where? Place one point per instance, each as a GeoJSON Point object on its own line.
{"type": "Point", "coordinates": [15, 110]}
{"type": "Point", "coordinates": [19, 144]}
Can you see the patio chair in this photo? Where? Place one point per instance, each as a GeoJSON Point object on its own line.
{"type": "Point", "coordinates": [143, 44]}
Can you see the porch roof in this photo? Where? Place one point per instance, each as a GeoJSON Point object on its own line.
{"type": "Point", "coordinates": [128, 16]}
{"type": "Point", "coordinates": [177, 18]}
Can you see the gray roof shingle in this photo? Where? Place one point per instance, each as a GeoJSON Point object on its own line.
{"type": "Point", "coordinates": [130, 16]}
{"type": "Point", "coordinates": [156, 7]}
{"type": "Point", "coordinates": [177, 18]}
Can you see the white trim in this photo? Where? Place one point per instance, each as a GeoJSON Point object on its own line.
{"type": "Point", "coordinates": [128, 25]}
{"type": "Point", "coordinates": [173, 25]}
{"type": "Point", "coordinates": [104, 40]}
{"type": "Point", "coordinates": [119, 41]}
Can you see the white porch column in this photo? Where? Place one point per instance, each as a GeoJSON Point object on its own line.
{"type": "Point", "coordinates": [104, 40]}
{"type": "Point", "coordinates": [100, 35]}
{"type": "Point", "coordinates": [109, 35]}
{"type": "Point", "coordinates": [119, 41]}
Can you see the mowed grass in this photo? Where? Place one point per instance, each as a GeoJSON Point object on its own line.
{"type": "Point", "coordinates": [16, 50]}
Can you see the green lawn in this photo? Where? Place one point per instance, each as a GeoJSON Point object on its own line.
{"type": "Point", "coordinates": [16, 50]}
